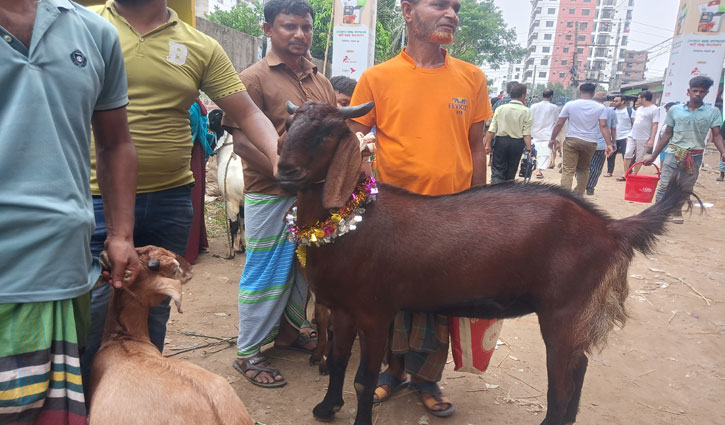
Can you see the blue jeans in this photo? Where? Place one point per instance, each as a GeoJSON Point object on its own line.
{"type": "Point", "coordinates": [670, 168]}
{"type": "Point", "coordinates": [161, 218]}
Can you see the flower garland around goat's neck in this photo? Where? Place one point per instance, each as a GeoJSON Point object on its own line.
{"type": "Point", "coordinates": [339, 222]}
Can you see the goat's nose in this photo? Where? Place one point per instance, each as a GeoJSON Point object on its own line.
{"type": "Point", "coordinates": [289, 172]}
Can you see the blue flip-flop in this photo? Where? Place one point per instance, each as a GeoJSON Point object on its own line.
{"type": "Point", "coordinates": [394, 383]}
{"type": "Point", "coordinates": [438, 398]}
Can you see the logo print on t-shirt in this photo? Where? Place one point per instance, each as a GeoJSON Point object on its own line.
{"type": "Point", "coordinates": [458, 105]}
{"type": "Point", "coordinates": [78, 59]}
{"type": "Point", "coordinates": [177, 53]}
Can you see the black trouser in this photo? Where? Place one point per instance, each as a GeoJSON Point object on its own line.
{"type": "Point", "coordinates": [506, 156]}
{"type": "Point", "coordinates": [621, 147]}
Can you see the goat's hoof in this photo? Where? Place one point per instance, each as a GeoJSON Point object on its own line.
{"type": "Point", "coordinates": [323, 413]}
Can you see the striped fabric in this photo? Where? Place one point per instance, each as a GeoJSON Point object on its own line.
{"type": "Point", "coordinates": [422, 338]}
{"type": "Point", "coordinates": [595, 168]}
{"type": "Point", "coordinates": [270, 286]}
{"type": "Point", "coordinates": [40, 377]}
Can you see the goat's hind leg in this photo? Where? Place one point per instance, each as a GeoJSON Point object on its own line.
{"type": "Point", "coordinates": [579, 371]}
{"type": "Point", "coordinates": [343, 337]}
{"type": "Point", "coordinates": [566, 366]}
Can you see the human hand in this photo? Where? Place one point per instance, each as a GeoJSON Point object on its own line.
{"type": "Point", "coordinates": [124, 262]}
{"type": "Point", "coordinates": [609, 150]}
{"type": "Point", "coordinates": [552, 143]}
{"type": "Point", "coordinates": [488, 149]}
{"type": "Point", "coordinates": [648, 160]}
{"type": "Point", "coordinates": [650, 143]}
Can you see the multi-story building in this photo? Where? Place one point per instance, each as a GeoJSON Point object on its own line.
{"type": "Point", "coordinates": [635, 66]}
{"type": "Point", "coordinates": [512, 71]}
{"type": "Point", "coordinates": [571, 41]}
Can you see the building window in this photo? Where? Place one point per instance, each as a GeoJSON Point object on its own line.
{"type": "Point", "coordinates": [549, 24]}
{"type": "Point", "coordinates": [570, 24]}
{"type": "Point", "coordinates": [585, 12]}
{"type": "Point", "coordinates": [552, 11]}
{"type": "Point", "coordinates": [581, 38]}
{"type": "Point", "coordinates": [561, 75]}
{"type": "Point", "coordinates": [547, 36]}
{"type": "Point", "coordinates": [545, 61]}
{"type": "Point", "coordinates": [546, 49]}
{"type": "Point", "coordinates": [542, 74]}
{"type": "Point", "coordinates": [580, 50]}
{"type": "Point", "coordinates": [568, 37]}
{"type": "Point", "coordinates": [564, 61]}
{"type": "Point", "coordinates": [572, 11]}
{"type": "Point", "coordinates": [566, 50]}
{"type": "Point", "coordinates": [583, 25]}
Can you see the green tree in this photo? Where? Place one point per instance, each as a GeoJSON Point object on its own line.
{"type": "Point", "coordinates": [483, 35]}
{"type": "Point", "coordinates": [243, 16]}
{"type": "Point", "coordinates": [323, 14]}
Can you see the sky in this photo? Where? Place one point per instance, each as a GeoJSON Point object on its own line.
{"type": "Point", "coordinates": [653, 22]}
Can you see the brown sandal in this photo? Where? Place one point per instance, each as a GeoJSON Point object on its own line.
{"type": "Point", "coordinates": [259, 364]}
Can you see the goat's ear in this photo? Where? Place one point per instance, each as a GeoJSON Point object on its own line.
{"type": "Point", "coordinates": [343, 173]}
{"type": "Point", "coordinates": [169, 287]}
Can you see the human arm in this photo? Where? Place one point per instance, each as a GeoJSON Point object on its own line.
{"type": "Point", "coordinates": [488, 141]}
{"type": "Point", "coordinates": [478, 154]}
{"type": "Point", "coordinates": [116, 170]}
{"type": "Point", "coordinates": [258, 130]}
{"type": "Point", "coordinates": [653, 134]}
{"type": "Point", "coordinates": [664, 140]}
{"type": "Point", "coordinates": [604, 128]}
{"type": "Point", "coordinates": [557, 129]}
{"type": "Point", "coordinates": [718, 141]}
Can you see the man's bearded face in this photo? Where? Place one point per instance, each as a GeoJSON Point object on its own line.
{"type": "Point", "coordinates": [434, 25]}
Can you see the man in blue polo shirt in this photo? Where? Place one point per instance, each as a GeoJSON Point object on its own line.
{"type": "Point", "coordinates": [61, 70]}
{"type": "Point", "coordinates": [685, 136]}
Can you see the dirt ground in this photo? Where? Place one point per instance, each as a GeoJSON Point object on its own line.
{"type": "Point", "coordinates": [665, 367]}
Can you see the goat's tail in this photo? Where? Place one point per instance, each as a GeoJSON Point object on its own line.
{"type": "Point", "coordinates": [638, 232]}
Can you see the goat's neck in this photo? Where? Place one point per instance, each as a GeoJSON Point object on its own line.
{"type": "Point", "coordinates": [309, 206]}
{"type": "Point", "coordinates": [126, 319]}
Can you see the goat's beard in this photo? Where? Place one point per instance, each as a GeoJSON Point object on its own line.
{"type": "Point", "coordinates": [429, 33]}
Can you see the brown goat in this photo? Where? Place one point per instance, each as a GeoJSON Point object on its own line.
{"type": "Point", "coordinates": [131, 382]}
{"type": "Point", "coordinates": [501, 251]}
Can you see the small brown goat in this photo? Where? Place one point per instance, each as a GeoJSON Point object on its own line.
{"type": "Point", "coordinates": [131, 382]}
{"type": "Point", "coordinates": [500, 251]}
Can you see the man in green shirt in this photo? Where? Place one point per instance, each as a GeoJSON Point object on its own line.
{"type": "Point", "coordinates": [685, 136]}
{"type": "Point", "coordinates": [511, 125]}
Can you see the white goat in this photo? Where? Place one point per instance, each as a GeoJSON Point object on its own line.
{"type": "Point", "coordinates": [131, 382]}
{"type": "Point", "coordinates": [231, 185]}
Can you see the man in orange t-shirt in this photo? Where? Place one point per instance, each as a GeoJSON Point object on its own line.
{"type": "Point", "coordinates": [429, 116]}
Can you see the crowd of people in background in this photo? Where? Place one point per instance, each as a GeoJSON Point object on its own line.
{"type": "Point", "coordinates": [115, 169]}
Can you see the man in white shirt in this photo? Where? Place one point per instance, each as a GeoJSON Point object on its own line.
{"type": "Point", "coordinates": [644, 131]}
{"type": "Point", "coordinates": [586, 119]}
{"type": "Point", "coordinates": [545, 116]}
{"type": "Point", "coordinates": [625, 119]}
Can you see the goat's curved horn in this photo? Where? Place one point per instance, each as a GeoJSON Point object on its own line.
{"type": "Point", "coordinates": [291, 107]}
{"type": "Point", "coordinates": [356, 111]}
{"type": "Point", "coordinates": [154, 264]}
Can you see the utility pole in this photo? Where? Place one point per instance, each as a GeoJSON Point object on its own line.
{"type": "Point", "coordinates": [574, 67]}
{"type": "Point", "coordinates": [614, 80]}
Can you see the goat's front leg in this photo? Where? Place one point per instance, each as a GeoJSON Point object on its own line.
{"type": "Point", "coordinates": [342, 339]}
{"type": "Point", "coordinates": [372, 349]}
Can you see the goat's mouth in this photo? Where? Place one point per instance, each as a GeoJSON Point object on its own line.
{"type": "Point", "coordinates": [290, 185]}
